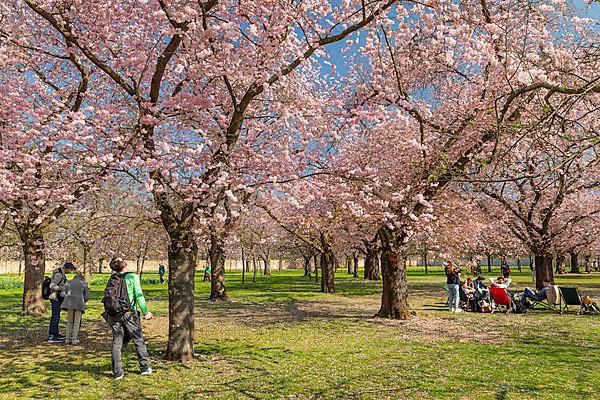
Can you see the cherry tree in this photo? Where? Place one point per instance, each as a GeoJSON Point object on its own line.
{"type": "Point", "coordinates": [201, 77]}
{"type": "Point", "coordinates": [55, 144]}
{"type": "Point", "coordinates": [445, 84]}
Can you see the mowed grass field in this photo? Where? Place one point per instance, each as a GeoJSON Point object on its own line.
{"type": "Point", "coordinates": [279, 338]}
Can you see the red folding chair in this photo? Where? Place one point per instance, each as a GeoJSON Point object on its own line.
{"type": "Point", "coordinates": [500, 298]}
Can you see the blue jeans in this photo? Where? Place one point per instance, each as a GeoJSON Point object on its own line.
{"type": "Point", "coordinates": [528, 292]}
{"type": "Point", "coordinates": [129, 327]}
{"type": "Point", "coordinates": [453, 297]}
{"type": "Point", "coordinates": [55, 318]}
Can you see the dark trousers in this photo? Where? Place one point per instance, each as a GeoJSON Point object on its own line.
{"type": "Point", "coordinates": [55, 318]}
{"type": "Point", "coordinates": [129, 327]}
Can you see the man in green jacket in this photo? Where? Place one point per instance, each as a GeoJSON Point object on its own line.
{"type": "Point", "coordinates": [129, 326]}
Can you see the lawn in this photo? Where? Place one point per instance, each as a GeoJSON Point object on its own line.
{"type": "Point", "coordinates": [280, 338]}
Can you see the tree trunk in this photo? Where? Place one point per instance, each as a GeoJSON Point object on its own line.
{"type": "Point", "coordinates": [267, 261]}
{"type": "Point", "coordinates": [138, 265]}
{"type": "Point", "coordinates": [100, 264]}
{"type": "Point", "coordinates": [519, 263]}
{"type": "Point", "coordinates": [394, 298]}
{"type": "Point", "coordinates": [543, 269]}
{"type": "Point", "coordinates": [425, 263]}
{"type": "Point", "coordinates": [371, 265]}
{"type": "Point", "coordinates": [349, 265]}
{"type": "Point", "coordinates": [182, 264]}
{"type": "Point", "coordinates": [86, 268]}
{"type": "Point", "coordinates": [34, 252]}
{"type": "Point", "coordinates": [355, 259]}
{"type": "Point", "coordinates": [489, 261]}
{"type": "Point", "coordinates": [280, 264]}
{"type": "Point", "coordinates": [243, 267]}
{"type": "Point", "coordinates": [560, 264]}
{"type": "Point", "coordinates": [254, 269]}
{"type": "Point", "coordinates": [307, 270]}
{"type": "Point", "coordinates": [327, 272]}
{"type": "Point", "coordinates": [574, 262]}
{"type": "Point", "coordinates": [217, 271]}
{"type": "Point", "coordinates": [316, 262]}
{"type": "Point", "coordinates": [586, 264]}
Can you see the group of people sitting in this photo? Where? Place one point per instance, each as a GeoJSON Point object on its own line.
{"type": "Point", "coordinates": [478, 293]}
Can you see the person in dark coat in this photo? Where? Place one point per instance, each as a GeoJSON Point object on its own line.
{"type": "Point", "coordinates": [57, 283]}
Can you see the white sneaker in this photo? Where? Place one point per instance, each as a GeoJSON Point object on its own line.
{"type": "Point", "coordinates": [147, 372]}
{"type": "Point", "coordinates": [119, 377]}
{"type": "Point", "coordinates": [75, 341]}
{"type": "Point", "coordinates": [458, 310]}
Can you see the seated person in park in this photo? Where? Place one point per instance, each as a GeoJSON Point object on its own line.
{"type": "Point", "coordinates": [469, 287]}
{"type": "Point", "coordinates": [536, 296]}
{"type": "Point", "coordinates": [480, 287]}
{"type": "Point", "coordinates": [501, 282]}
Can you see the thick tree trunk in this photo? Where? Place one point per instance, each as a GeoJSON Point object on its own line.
{"type": "Point", "coordinates": [355, 259]}
{"type": "Point", "coordinates": [394, 298]}
{"type": "Point", "coordinates": [425, 263]}
{"type": "Point", "coordinates": [543, 269]}
{"type": "Point", "coordinates": [574, 262]}
{"type": "Point", "coordinates": [327, 272]}
{"type": "Point", "coordinates": [280, 263]}
{"type": "Point", "coordinates": [316, 262]}
{"type": "Point", "coordinates": [100, 265]}
{"type": "Point", "coordinates": [254, 269]}
{"type": "Point", "coordinates": [349, 265]}
{"type": "Point", "coordinates": [489, 261]}
{"type": "Point", "coordinates": [519, 263]}
{"type": "Point", "coordinates": [182, 264]}
{"type": "Point", "coordinates": [371, 265]}
{"type": "Point", "coordinates": [217, 271]}
{"type": "Point", "coordinates": [34, 252]}
{"type": "Point", "coordinates": [560, 264]}
{"type": "Point", "coordinates": [307, 270]}
{"type": "Point", "coordinates": [267, 261]}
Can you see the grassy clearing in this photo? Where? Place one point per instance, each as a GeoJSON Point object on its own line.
{"type": "Point", "coordinates": [281, 339]}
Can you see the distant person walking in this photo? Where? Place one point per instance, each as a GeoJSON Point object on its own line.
{"type": "Point", "coordinates": [161, 273]}
{"type": "Point", "coordinates": [129, 326]}
{"type": "Point", "coordinates": [206, 273]}
{"type": "Point", "coordinates": [505, 269]}
{"type": "Point", "coordinates": [76, 294]}
{"type": "Point", "coordinates": [57, 283]}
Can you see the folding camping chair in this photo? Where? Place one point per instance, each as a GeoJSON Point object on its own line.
{"type": "Point", "coordinates": [465, 302]}
{"type": "Point", "coordinates": [570, 297]}
{"type": "Point", "coordinates": [500, 298]}
{"type": "Point", "coordinates": [552, 301]}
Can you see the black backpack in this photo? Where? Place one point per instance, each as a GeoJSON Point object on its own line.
{"type": "Point", "coordinates": [518, 307]}
{"type": "Point", "coordinates": [46, 288]}
{"type": "Point", "coordinates": [116, 300]}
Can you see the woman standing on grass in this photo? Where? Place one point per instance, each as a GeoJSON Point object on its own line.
{"type": "Point", "coordinates": [453, 281]}
{"type": "Point", "coordinates": [76, 294]}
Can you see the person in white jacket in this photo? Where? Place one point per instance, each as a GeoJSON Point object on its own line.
{"type": "Point", "coordinates": [501, 282]}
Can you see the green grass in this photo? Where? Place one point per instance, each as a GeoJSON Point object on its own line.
{"type": "Point", "coordinates": [280, 338]}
